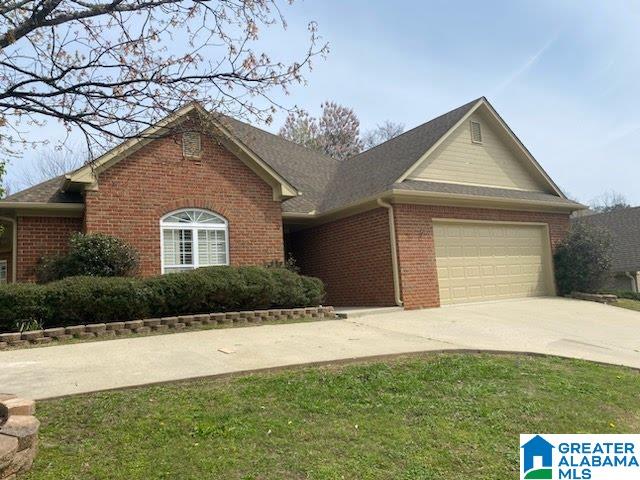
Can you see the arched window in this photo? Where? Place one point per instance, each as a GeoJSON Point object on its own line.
{"type": "Point", "coordinates": [193, 238]}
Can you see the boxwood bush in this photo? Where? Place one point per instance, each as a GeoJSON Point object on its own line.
{"type": "Point", "coordinates": [81, 300]}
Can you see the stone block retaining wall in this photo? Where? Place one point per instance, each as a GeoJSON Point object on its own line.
{"type": "Point", "coordinates": [595, 297]}
{"type": "Point", "coordinates": [112, 329]}
{"type": "Point", "coordinates": [18, 436]}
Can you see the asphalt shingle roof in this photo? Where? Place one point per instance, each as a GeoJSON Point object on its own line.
{"type": "Point", "coordinates": [375, 170]}
{"type": "Point", "coordinates": [624, 227]}
{"type": "Point", "coordinates": [310, 172]}
{"type": "Point", "coordinates": [325, 183]}
{"type": "Point", "coordinates": [454, 188]}
{"type": "Point", "coordinates": [49, 191]}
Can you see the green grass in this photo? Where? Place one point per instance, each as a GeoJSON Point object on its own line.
{"type": "Point", "coordinates": [445, 416]}
{"type": "Point", "coordinates": [627, 303]}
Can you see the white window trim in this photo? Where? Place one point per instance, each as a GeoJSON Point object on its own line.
{"type": "Point", "coordinates": [194, 227]}
{"type": "Point", "coordinates": [5, 263]}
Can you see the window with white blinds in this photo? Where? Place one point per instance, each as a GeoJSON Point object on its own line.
{"type": "Point", "coordinates": [3, 271]}
{"type": "Point", "coordinates": [193, 238]}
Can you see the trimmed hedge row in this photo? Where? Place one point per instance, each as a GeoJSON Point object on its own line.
{"type": "Point", "coordinates": [81, 300]}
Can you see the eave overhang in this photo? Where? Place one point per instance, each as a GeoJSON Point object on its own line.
{"type": "Point", "coordinates": [399, 196]}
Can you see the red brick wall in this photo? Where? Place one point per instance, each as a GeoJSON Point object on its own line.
{"type": "Point", "coordinates": [8, 256]}
{"type": "Point", "coordinates": [352, 256]}
{"type": "Point", "coordinates": [416, 250]}
{"type": "Point", "coordinates": [41, 237]}
{"type": "Point", "coordinates": [135, 193]}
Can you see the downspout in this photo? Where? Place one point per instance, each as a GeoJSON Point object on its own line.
{"type": "Point", "coordinates": [394, 252]}
{"type": "Point", "coordinates": [634, 281]}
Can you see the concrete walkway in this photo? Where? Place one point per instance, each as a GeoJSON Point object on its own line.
{"type": "Point", "coordinates": [544, 325]}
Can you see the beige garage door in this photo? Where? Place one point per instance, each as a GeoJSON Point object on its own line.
{"type": "Point", "coordinates": [488, 261]}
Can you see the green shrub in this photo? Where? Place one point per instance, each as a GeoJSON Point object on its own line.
{"type": "Point", "coordinates": [627, 294]}
{"type": "Point", "coordinates": [289, 288]}
{"type": "Point", "coordinates": [313, 290]}
{"type": "Point", "coordinates": [91, 255]}
{"type": "Point", "coordinates": [21, 302]}
{"type": "Point", "coordinates": [82, 300]}
{"type": "Point", "coordinates": [583, 259]}
{"type": "Point", "coordinates": [78, 300]}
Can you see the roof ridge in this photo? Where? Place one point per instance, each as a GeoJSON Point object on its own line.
{"type": "Point", "coordinates": [416, 127]}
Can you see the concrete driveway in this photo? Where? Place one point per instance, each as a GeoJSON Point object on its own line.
{"type": "Point", "coordinates": [555, 326]}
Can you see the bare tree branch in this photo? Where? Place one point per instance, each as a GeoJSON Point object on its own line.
{"type": "Point", "coordinates": [111, 68]}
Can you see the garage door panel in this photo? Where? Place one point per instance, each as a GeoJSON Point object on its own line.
{"type": "Point", "coordinates": [489, 261]}
{"type": "Point", "coordinates": [473, 271]}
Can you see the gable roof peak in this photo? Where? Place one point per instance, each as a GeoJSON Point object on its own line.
{"type": "Point", "coordinates": [467, 106]}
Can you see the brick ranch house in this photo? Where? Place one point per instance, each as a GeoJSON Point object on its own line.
{"type": "Point", "coordinates": [454, 210]}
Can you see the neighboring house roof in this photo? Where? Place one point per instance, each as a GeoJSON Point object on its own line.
{"type": "Point", "coordinates": [326, 184]}
{"type": "Point", "coordinates": [624, 227]}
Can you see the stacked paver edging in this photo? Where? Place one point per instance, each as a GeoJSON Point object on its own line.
{"type": "Point", "coordinates": [18, 437]}
{"type": "Point", "coordinates": [177, 323]}
{"type": "Point", "coordinates": [595, 297]}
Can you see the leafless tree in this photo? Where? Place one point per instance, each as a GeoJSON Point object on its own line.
{"type": "Point", "coordinates": [50, 163]}
{"type": "Point", "coordinates": [335, 133]}
{"type": "Point", "coordinates": [112, 67]}
{"type": "Point", "coordinates": [383, 132]}
{"type": "Point", "coordinates": [609, 201]}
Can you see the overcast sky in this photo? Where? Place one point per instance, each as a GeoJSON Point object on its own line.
{"type": "Point", "coordinates": [563, 74]}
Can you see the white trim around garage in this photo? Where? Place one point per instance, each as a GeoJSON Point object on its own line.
{"type": "Point", "coordinates": [548, 251]}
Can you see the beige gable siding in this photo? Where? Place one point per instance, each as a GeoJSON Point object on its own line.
{"type": "Point", "coordinates": [491, 163]}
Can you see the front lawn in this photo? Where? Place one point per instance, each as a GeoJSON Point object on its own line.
{"type": "Point", "coordinates": [446, 416]}
{"type": "Point", "coordinates": [627, 303]}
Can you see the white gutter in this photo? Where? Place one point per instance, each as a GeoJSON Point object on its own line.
{"type": "Point", "coordinates": [394, 252]}
{"type": "Point", "coordinates": [41, 205]}
{"type": "Point", "coordinates": [634, 281]}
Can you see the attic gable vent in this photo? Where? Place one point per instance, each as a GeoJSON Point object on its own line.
{"type": "Point", "coordinates": [191, 144]}
{"type": "Point", "coordinates": [476, 132]}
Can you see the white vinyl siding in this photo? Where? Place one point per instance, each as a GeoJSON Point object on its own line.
{"type": "Point", "coordinates": [487, 261]}
{"type": "Point", "coordinates": [193, 238]}
{"type": "Point", "coordinates": [491, 163]}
